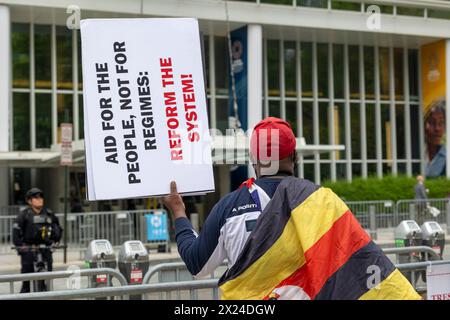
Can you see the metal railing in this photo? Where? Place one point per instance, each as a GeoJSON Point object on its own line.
{"type": "Point", "coordinates": [123, 291]}
{"type": "Point", "coordinates": [420, 210]}
{"type": "Point", "coordinates": [51, 276]}
{"type": "Point", "coordinates": [120, 226]}
{"type": "Point", "coordinates": [427, 251]}
{"type": "Point", "coordinates": [373, 215]}
{"type": "Point", "coordinates": [165, 289]}
{"type": "Point", "coordinates": [116, 226]}
{"type": "Point", "coordinates": [175, 272]}
{"type": "Point", "coordinates": [11, 210]}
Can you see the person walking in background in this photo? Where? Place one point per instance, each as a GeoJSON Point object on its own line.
{"type": "Point", "coordinates": [421, 196]}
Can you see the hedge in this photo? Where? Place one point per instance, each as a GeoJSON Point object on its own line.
{"type": "Point", "coordinates": [387, 188]}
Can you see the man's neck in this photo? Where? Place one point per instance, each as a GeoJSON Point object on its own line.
{"type": "Point", "coordinates": [279, 174]}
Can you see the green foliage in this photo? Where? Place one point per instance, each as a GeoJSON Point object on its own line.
{"type": "Point", "coordinates": [387, 188]}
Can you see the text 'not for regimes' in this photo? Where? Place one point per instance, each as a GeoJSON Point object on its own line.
{"type": "Point", "coordinates": [128, 125]}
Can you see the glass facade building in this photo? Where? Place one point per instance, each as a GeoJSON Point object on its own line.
{"type": "Point", "coordinates": [335, 85]}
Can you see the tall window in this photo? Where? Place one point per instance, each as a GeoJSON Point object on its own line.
{"type": "Point", "coordinates": [327, 112]}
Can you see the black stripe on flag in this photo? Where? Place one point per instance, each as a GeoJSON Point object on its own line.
{"type": "Point", "coordinates": [358, 275]}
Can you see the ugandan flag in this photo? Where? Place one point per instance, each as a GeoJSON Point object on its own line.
{"type": "Point", "coordinates": [308, 245]}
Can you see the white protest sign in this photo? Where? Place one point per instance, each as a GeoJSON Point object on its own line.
{"type": "Point", "coordinates": [438, 282]}
{"type": "Point", "coordinates": [144, 108]}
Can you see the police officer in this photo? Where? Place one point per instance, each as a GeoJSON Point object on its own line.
{"type": "Point", "coordinates": [34, 226]}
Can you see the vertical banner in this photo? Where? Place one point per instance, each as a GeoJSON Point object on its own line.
{"type": "Point", "coordinates": [239, 54]}
{"type": "Point", "coordinates": [433, 75]}
{"type": "Point", "coordinates": [5, 92]}
{"type": "Point", "coordinates": [145, 112]}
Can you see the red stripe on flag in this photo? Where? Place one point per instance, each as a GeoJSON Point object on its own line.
{"type": "Point", "coordinates": [328, 254]}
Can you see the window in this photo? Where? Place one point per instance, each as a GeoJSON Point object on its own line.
{"type": "Point", "coordinates": [383, 66]}
{"type": "Point", "coordinates": [290, 59]}
{"type": "Point", "coordinates": [413, 63]}
{"type": "Point", "coordinates": [398, 73]}
{"type": "Point", "coordinates": [65, 111]}
{"type": "Point", "coordinates": [80, 68]}
{"type": "Point", "coordinates": [221, 65]}
{"type": "Point", "coordinates": [206, 63]}
{"type": "Point", "coordinates": [222, 114]}
{"type": "Point", "coordinates": [273, 61]}
{"type": "Point", "coordinates": [338, 70]}
{"type": "Point", "coordinates": [400, 130]}
{"type": "Point", "coordinates": [323, 124]}
{"type": "Point", "coordinates": [291, 115]}
{"type": "Point", "coordinates": [287, 2]}
{"type": "Point", "coordinates": [322, 69]}
{"type": "Point", "coordinates": [64, 58]}
{"type": "Point", "coordinates": [81, 116]}
{"type": "Point", "coordinates": [43, 120]}
{"type": "Point", "coordinates": [353, 65]}
{"type": "Point", "coordinates": [20, 39]}
{"type": "Point", "coordinates": [312, 3]}
{"type": "Point", "coordinates": [274, 109]}
{"type": "Point", "coordinates": [21, 121]}
{"type": "Point", "coordinates": [355, 124]}
{"type": "Point", "coordinates": [369, 72]}
{"type": "Point", "coordinates": [341, 5]}
{"type": "Point", "coordinates": [306, 60]}
{"type": "Point", "coordinates": [42, 56]}
{"type": "Point", "coordinates": [308, 122]}
{"type": "Point", "coordinates": [371, 131]}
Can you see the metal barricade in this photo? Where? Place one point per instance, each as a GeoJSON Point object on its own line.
{"type": "Point", "coordinates": [6, 225]}
{"type": "Point", "coordinates": [51, 276]}
{"type": "Point", "coordinates": [421, 210]}
{"type": "Point", "coordinates": [192, 287]}
{"type": "Point", "coordinates": [175, 272]}
{"type": "Point", "coordinates": [116, 226]}
{"type": "Point", "coordinates": [427, 251]}
{"type": "Point", "coordinates": [419, 266]}
{"type": "Point", "coordinates": [11, 210]}
{"type": "Point", "coordinates": [373, 215]}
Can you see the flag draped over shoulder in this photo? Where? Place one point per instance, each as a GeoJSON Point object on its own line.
{"type": "Point", "coordinates": [308, 245]}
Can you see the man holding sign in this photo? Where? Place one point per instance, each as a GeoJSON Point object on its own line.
{"type": "Point", "coordinates": [285, 237]}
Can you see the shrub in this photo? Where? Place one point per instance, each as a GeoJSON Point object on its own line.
{"type": "Point", "coordinates": [387, 188]}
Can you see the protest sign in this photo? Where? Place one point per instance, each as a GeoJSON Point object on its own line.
{"type": "Point", "coordinates": [438, 282]}
{"type": "Point", "coordinates": [144, 108]}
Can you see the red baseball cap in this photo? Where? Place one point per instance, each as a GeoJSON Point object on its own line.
{"type": "Point", "coordinates": [272, 139]}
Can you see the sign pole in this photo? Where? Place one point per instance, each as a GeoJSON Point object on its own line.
{"type": "Point", "coordinates": [66, 161]}
{"type": "Point", "coordinates": [66, 171]}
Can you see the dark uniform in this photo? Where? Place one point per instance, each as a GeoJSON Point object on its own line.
{"type": "Point", "coordinates": [35, 229]}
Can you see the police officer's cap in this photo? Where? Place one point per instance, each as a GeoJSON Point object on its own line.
{"type": "Point", "coordinates": [33, 192]}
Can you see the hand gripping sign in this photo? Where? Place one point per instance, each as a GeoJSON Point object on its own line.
{"type": "Point", "coordinates": [144, 108]}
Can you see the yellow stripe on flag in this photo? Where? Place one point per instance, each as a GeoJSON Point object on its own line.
{"type": "Point", "coordinates": [316, 216]}
{"type": "Point", "coordinates": [308, 223]}
{"type": "Point", "coordinates": [394, 287]}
